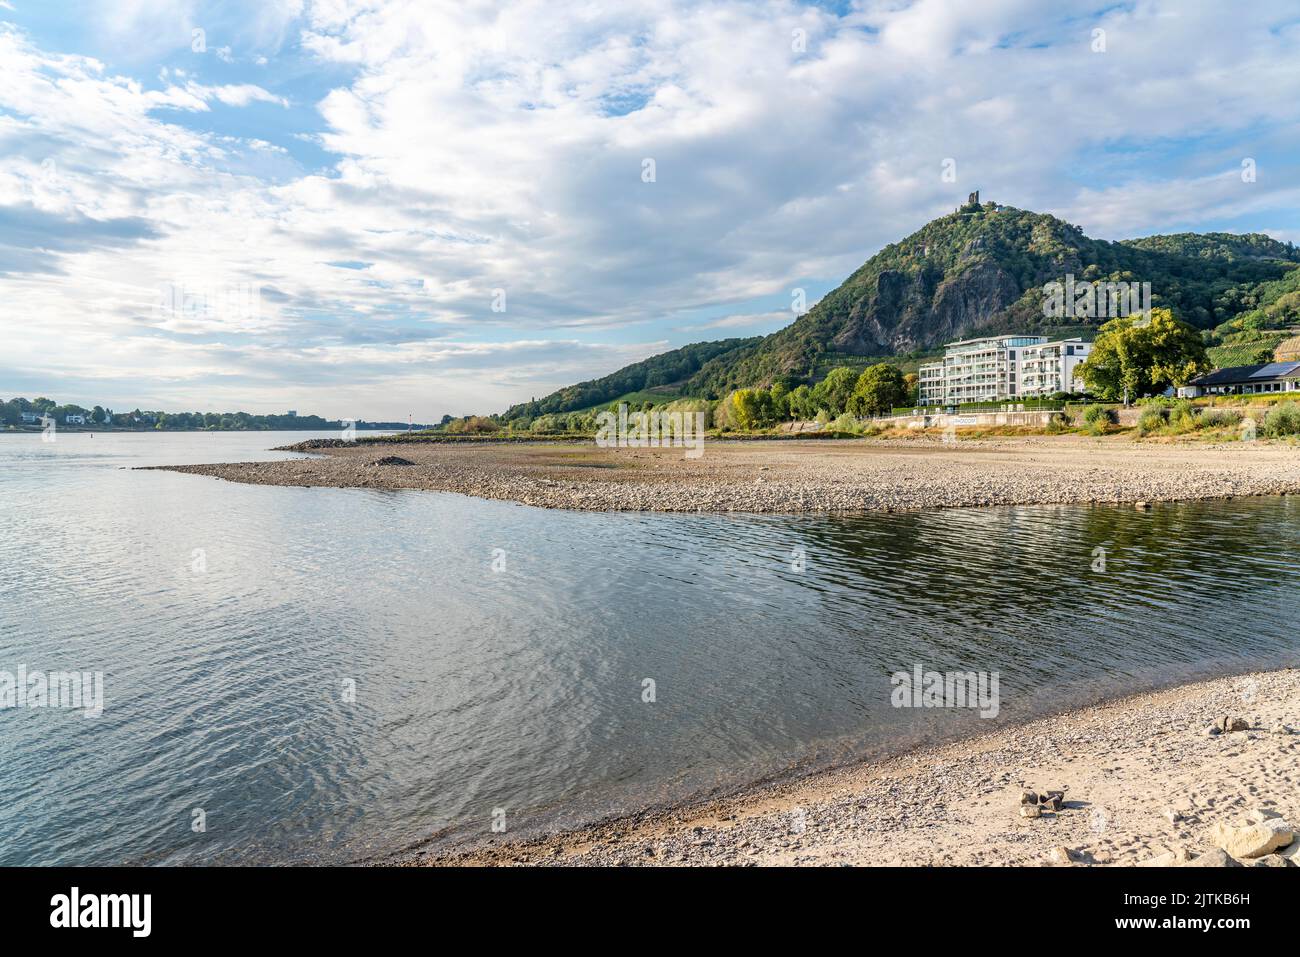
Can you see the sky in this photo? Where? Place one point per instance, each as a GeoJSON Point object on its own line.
{"type": "Point", "coordinates": [374, 209]}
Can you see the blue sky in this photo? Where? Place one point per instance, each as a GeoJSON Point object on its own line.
{"type": "Point", "coordinates": [368, 208]}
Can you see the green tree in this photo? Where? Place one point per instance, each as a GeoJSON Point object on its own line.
{"type": "Point", "coordinates": [832, 393]}
{"type": "Point", "coordinates": [913, 382]}
{"type": "Point", "coordinates": [800, 403]}
{"type": "Point", "coordinates": [780, 401]}
{"type": "Point", "coordinates": [878, 390]}
{"type": "Point", "coordinates": [1143, 356]}
{"type": "Point", "coordinates": [752, 407]}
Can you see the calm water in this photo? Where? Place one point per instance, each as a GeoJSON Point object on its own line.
{"type": "Point", "coordinates": [230, 620]}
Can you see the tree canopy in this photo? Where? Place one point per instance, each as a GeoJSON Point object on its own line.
{"type": "Point", "coordinates": [1143, 356]}
{"type": "Point", "coordinates": [878, 390]}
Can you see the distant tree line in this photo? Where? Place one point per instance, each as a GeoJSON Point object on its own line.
{"type": "Point", "coordinates": [874, 391]}
{"type": "Point", "coordinates": [11, 414]}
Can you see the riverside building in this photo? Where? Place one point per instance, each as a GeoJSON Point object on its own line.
{"type": "Point", "coordinates": [1002, 369]}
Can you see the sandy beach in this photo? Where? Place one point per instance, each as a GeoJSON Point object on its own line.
{"type": "Point", "coordinates": [799, 475]}
{"type": "Point", "coordinates": [1146, 783]}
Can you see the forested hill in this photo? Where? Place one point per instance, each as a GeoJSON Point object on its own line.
{"type": "Point", "coordinates": [979, 270]}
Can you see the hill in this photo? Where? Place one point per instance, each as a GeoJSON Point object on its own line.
{"type": "Point", "coordinates": [662, 374]}
{"type": "Point", "coordinates": [981, 270]}
{"type": "Point", "coordinates": [977, 271]}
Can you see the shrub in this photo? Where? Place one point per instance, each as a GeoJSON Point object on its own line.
{"type": "Point", "coordinates": [1058, 423]}
{"type": "Point", "coordinates": [1151, 420]}
{"type": "Point", "coordinates": [847, 423]}
{"type": "Point", "coordinates": [472, 424]}
{"type": "Point", "coordinates": [1100, 413]}
{"type": "Point", "coordinates": [1282, 420]}
{"type": "Point", "coordinates": [1183, 416]}
{"type": "Point", "coordinates": [1099, 416]}
{"type": "Point", "coordinates": [1219, 419]}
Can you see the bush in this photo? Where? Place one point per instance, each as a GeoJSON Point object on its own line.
{"type": "Point", "coordinates": [847, 423]}
{"type": "Point", "coordinates": [472, 424]}
{"type": "Point", "coordinates": [1282, 420]}
{"type": "Point", "coordinates": [1219, 419]}
{"type": "Point", "coordinates": [1058, 423]}
{"type": "Point", "coordinates": [1100, 413]}
{"type": "Point", "coordinates": [1183, 417]}
{"type": "Point", "coordinates": [1097, 417]}
{"type": "Point", "coordinates": [1151, 420]}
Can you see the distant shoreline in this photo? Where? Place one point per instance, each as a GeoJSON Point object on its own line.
{"type": "Point", "coordinates": [796, 475]}
{"type": "Point", "coordinates": [109, 430]}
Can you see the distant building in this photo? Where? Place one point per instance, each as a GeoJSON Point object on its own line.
{"type": "Point", "coordinates": [72, 419]}
{"type": "Point", "coordinates": [1245, 380]}
{"type": "Point", "coordinates": [30, 418]}
{"type": "Point", "coordinates": [1280, 375]}
{"type": "Point", "coordinates": [1002, 369]}
{"type": "Point", "coordinates": [292, 413]}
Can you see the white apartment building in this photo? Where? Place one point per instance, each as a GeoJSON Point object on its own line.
{"type": "Point", "coordinates": [1002, 369]}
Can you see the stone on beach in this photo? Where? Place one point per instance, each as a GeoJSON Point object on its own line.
{"type": "Point", "coordinates": [1227, 724]}
{"type": "Point", "coordinates": [1172, 858]}
{"type": "Point", "coordinates": [1252, 838]}
{"type": "Point", "coordinates": [1216, 857]}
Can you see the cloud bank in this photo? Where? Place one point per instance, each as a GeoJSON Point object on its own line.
{"type": "Point", "coordinates": [373, 208]}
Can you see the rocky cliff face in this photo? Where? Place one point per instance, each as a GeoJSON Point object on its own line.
{"type": "Point", "coordinates": [910, 312]}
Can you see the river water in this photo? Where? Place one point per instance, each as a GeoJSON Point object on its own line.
{"type": "Point", "coordinates": [331, 675]}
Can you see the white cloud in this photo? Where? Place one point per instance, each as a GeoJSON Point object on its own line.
{"type": "Point", "coordinates": [484, 145]}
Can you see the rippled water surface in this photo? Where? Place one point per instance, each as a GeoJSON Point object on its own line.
{"type": "Point", "coordinates": [230, 621]}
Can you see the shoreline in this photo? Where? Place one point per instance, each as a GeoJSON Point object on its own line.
{"type": "Point", "coordinates": [1146, 784]}
{"type": "Point", "coordinates": [797, 475]}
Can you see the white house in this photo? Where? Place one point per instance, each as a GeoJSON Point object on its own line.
{"type": "Point", "coordinates": [72, 419]}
